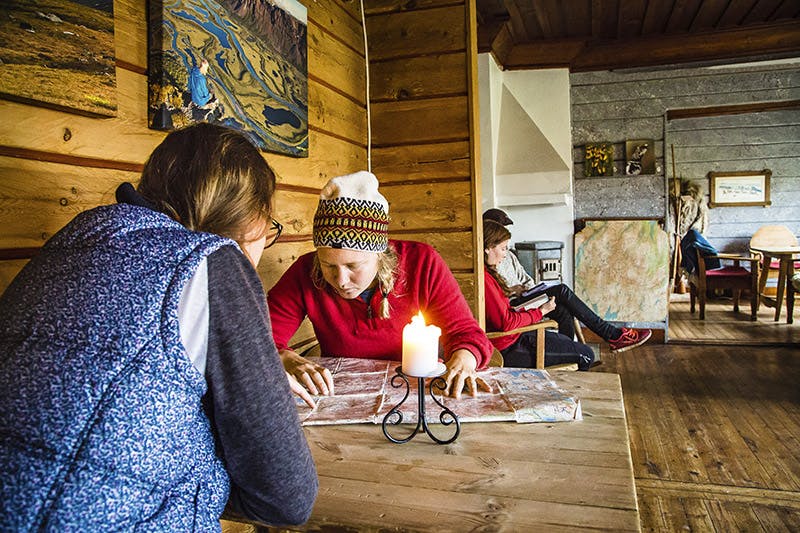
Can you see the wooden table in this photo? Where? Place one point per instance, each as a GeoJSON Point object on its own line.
{"type": "Point", "coordinates": [495, 476]}
{"type": "Point", "coordinates": [786, 256]}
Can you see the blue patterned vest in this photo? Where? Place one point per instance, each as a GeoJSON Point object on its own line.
{"type": "Point", "coordinates": [101, 422]}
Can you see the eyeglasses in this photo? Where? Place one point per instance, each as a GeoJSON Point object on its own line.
{"type": "Point", "coordinates": [277, 227]}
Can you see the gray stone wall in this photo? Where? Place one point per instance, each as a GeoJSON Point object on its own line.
{"type": "Point", "coordinates": [754, 141]}
{"type": "Point", "coordinates": [618, 106]}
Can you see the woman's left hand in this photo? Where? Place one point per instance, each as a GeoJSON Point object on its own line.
{"type": "Point", "coordinates": [548, 306]}
{"type": "Point", "coordinates": [460, 372]}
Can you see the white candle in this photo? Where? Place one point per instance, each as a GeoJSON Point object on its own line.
{"type": "Point", "coordinates": [420, 347]}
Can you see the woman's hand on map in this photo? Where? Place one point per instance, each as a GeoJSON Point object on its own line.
{"type": "Point", "coordinates": [300, 391]}
{"type": "Point", "coordinates": [461, 372]}
{"type": "Point", "coordinates": [316, 379]}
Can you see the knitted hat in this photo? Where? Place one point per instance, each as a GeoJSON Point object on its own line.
{"type": "Point", "coordinates": [352, 214]}
{"type": "Point", "coordinates": [498, 215]}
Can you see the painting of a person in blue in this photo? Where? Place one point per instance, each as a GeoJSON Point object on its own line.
{"type": "Point", "coordinates": [198, 85]}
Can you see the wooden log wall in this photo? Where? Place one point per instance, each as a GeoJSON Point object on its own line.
{"type": "Point", "coordinates": [54, 165]}
{"type": "Point", "coordinates": [423, 71]}
{"type": "Point", "coordinates": [690, 108]}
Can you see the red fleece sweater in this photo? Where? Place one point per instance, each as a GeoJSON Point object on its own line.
{"type": "Point", "coordinates": [349, 328]}
{"type": "Point", "coordinates": [500, 316]}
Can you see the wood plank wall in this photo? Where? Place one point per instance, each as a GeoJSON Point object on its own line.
{"type": "Point", "coordinates": [423, 70]}
{"type": "Point", "coordinates": [617, 106]}
{"type": "Point", "coordinates": [749, 141]}
{"type": "Point", "coordinates": [48, 176]}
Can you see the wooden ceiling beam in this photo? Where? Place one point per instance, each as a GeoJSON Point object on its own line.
{"type": "Point", "coordinates": [631, 17]}
{"type": "Point", "coordinates": [760, 12]}
{"type": "Point", "coordinates": [487, 34]}
{"type": "Point", "coordinates": [502, 46]}
{"type": "Point", "coordinates": [517, 23]}
{"type": "Point", "coordinates": [548, 54]}
{"type": "Point", "coordinates": [582, 55]}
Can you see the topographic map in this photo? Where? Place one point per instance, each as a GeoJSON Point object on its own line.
{"type": "Point", "coordinates": [367, 389]}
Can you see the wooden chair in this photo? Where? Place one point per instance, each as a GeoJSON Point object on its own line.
{"type": "Point", "coordinates": [736, 278]}
{"type": "Point", "coordinates": [311, 350]}
{"type": "Point", "coordinates": [497, 357]}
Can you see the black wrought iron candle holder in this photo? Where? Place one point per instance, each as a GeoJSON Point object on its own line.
{"type": "Point", "coordinates": [394, 417]}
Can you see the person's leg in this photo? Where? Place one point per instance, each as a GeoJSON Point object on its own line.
{"type": "Point", "coordinates": [521, 354]}
{"type": "Point", "coordinates": [568, 305]}
{"type": "Point", "coordinates": [558, 349]}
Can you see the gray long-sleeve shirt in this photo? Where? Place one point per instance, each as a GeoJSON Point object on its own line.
{"type": "Point", "coordinates": [252, 409]}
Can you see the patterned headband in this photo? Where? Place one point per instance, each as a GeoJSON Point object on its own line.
{"type": "Point", "coordinates": [351, 224]}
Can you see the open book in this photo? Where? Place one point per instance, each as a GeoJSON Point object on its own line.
{"type": "Point", "coordinates": [532, 298]}
{"type": "Point", "coordinates": [534, 303]}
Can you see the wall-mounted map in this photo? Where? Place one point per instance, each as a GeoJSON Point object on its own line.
{"type": "Point", "coordinates": [622, 270]}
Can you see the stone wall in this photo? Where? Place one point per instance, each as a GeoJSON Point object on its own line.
{"type": "Point", "coordinates": [619, 106]}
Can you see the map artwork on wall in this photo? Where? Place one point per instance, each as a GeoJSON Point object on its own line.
{"type": "Point", "coordinates": [59, 54]}
{"type": "Point", "coordinates": [636, 289]}
{"type": "Point", "coordinates": [238, 63]}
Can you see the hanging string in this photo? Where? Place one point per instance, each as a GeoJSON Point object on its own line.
{"type": "Point", "coordinates": [366, 71]}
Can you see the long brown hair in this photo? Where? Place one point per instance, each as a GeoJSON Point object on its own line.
{"type": "Point", "coordinates": [493, 234]}
{"type": "Point", "coordinates": [210, 178]}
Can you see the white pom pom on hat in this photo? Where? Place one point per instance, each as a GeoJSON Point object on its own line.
{"type": "Point", "coordinates": [361, 185]}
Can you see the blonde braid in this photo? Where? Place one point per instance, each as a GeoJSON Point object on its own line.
{"type": "Point", "coordinates": [387, 264]}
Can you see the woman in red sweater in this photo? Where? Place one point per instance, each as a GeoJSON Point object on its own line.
{"type": "Point", "coordinates": [359, 290]}
{"type": "Point", "coordinates": [563, 306]}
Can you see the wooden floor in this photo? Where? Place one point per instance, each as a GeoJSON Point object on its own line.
{"type": "Point", "coordinates": [723, 325]}
{"type": "Point", "coordinates": [715, 429]}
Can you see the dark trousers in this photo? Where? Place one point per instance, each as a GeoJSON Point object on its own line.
{"type": "Point", "coordinates": [558, 349]}
{"type": "Point", "coordinates": [569, 306]}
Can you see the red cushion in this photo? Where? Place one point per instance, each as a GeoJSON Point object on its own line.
{"type": "Point", "coordinates": [728, 271]}
{"type": "Point", "coordinates": [775, 264]}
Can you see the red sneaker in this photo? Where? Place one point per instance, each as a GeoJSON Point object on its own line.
{"type": "Point", "coordinates": [630, 338]}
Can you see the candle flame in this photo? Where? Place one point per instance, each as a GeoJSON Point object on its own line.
{"type": "Point", "coordinates": [418, 319]}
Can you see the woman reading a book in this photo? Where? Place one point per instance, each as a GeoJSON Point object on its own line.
{"type": "Point", "coordinates": [561, 305]}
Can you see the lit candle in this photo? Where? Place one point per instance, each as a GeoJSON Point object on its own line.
{"type": "Point", "coordinates": [420, 347]}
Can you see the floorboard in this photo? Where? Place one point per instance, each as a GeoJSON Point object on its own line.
{"type": "Point", "coordinates": [722, 325]}
{"type": "Point", "coordinates": [714, 421]}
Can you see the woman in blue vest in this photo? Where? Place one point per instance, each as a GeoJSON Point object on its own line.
{"type": "Point", "coordinates": [139, 383]}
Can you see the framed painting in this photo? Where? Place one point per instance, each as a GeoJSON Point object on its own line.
{"type": "Point", "coordinates": [238, 63]}
{"type": "Point", "coordinates": [741, 188]}
{"type": "Point", "coordinates": [599, 159]}
{"type": "Point", "coordinates": [640, 157]}
{"type": "Point", "coordinates": [59, 55]}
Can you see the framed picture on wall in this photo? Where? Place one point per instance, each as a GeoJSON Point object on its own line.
{"type": "Point", "coordinates": [59, 55]}
{"type": "Point", "coordinates": [243, 65]}
{"type": "Point", "coordinates": [640, 157]}
{"type": "Point", "coordinates": [740, 188]}
{"type": "Point", "coordinates": [599, 159]}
